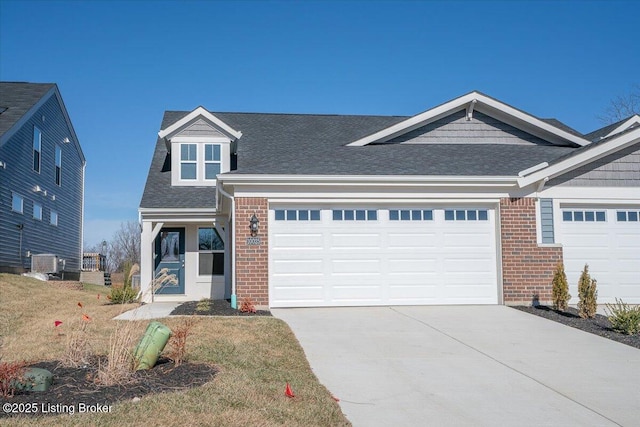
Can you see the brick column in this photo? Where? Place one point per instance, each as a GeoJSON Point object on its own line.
{"type": "Point", "coordinates": [527, 269]}
{"type": "Point", "coordinates": [252, 261]}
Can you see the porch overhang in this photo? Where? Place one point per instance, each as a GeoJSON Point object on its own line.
{"type": "Point", "coordinates": [182, 215]}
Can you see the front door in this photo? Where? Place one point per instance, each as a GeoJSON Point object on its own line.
{"type": "Point", "coordinates": [170, 255]}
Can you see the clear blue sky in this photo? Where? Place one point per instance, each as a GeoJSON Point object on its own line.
{"type": "Point", "coordinates": [119, 65]}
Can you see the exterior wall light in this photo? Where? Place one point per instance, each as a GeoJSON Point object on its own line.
{"type": "Point", "coordinates": [254, 225]}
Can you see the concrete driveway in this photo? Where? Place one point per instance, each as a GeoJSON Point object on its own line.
{"type": "Point", "coordinates": [466, 365]}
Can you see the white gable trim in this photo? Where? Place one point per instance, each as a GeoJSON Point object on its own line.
{"type": "Point", "coordinates": [200, 111]}
{"type": "Point", "coordinates": [588, 156]}
{"type": "Point", "coordinates": [633, 120]}
{"type": "Point", "coordinates": [479, 102]}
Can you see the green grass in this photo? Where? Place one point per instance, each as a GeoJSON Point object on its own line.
{"type": "Point", "coordinates": [256, 357]}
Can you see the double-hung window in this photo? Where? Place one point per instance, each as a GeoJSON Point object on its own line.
{"type": "Point", "coordinates": [37, 148]}
{"type": "Point", "coordinates": [211, 161]}
{"type": "Point", "coordinates": [58, 165]}
{"type": "Point", "coordinates": [211, 252]}
{"type": "Point", "coordinates": [189, 161]}
{"type": "Point", "coordinates": [37, 211]}
{"type": "Point", "coordinates": [17, 203]}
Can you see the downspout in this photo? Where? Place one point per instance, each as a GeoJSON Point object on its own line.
{"type": "Point", "coordinates": [234, 299]}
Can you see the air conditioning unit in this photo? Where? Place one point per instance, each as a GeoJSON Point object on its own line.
{"type": "Point", "coordinates": [44, 263]}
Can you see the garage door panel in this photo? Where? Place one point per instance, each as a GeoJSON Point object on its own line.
{"type": "Point", "coordinates": [412, 266]}
{"type": "Point", "coordinates": [412, 241]}
{"type": "Point", "coordinates": [297, 267]}
{"type": "Point", "coordinates": [354, 241]}
{"type": "Point", "coordinates": [383, 261]}
{"type": "Point", "coordinates": [305, 241]}
{"type": "Point", "coordinates": [355, 266]}
{"type": "Point", "coordinates": [611, 248]}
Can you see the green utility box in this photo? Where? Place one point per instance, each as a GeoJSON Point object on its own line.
{"type": "Point", "coordinates": [35, 379]}
{"type": "Point", "coordinates": [153, 341]}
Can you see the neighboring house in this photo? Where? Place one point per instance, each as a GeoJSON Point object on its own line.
{"type": "Point", "coordinates": [41, 179]}
{"type": "Point", "coordinates": [470, 202]}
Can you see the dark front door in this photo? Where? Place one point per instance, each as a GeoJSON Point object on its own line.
{"type": "Point", "coordinates": [170, 255]}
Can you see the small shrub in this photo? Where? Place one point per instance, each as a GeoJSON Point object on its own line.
{"type": "Point", "coordinates": [588, 294]}
{"type": "Point", "coordinates": [247, 306]}
{"type": "Point", "coordinates": [203, 305]}
{"type": "Point", "coordinates": [122, 294]}
{"type": "Point", "coordinates": [11, 373]}
{"type": "Point", "coordinates": [623, 318]}
{"type": "Point", "coordinates": [560, 292]}
{"type": "Point", "coordinates": [178, 341]}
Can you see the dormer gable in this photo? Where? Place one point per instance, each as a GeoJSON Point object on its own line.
{"type": "Point", "coordinates": [477, 113]}
{"type": "Point", "coordinates": [200, 146]}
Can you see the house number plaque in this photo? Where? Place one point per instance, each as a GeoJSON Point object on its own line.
{"type": "Point", "coordinates": [253, 241]}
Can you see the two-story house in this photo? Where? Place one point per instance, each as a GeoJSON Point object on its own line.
{"type": "Point", "coordinates": [41, 179]}
{"type": "Point", "coordinates": [470, 202]}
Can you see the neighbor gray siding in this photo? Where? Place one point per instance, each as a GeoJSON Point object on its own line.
{"type": "Point", "coordinates": [64, 240]}
{"type": "Point", "coordinates": [546, 220]}
{"type": "Point", "coordinates": [481, 129]}
{"type": "Point", "coordinates": [621, 169]}
{"type": "Point", "coordinates": [200, 128]}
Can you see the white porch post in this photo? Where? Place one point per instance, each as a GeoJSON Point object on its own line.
{"type": "Point", "coordinates": [149, 233]}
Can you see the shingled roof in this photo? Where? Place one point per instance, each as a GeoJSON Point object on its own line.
{"type": "Point", "coordinates": [18, 98]}
{"type": "Point", "coordinates": [308, 144]}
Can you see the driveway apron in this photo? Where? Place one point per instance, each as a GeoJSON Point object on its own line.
{"type": "Point", "coordinates": [466, 365]}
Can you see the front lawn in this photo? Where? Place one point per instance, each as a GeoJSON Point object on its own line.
{"type": "Point", "coordinates": [254, 356]}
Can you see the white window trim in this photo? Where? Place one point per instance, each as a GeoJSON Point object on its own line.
{"type": "Point", "coordinates": [37, 217]}
{"type": "Point", "coordinates": [209, 251]}
{"type": "Point", "coordinates": [21, 211]}
{"type": "Point", "coordinates": [210, 162]}
{"type": "Point", "coordinates": [189, 161]}
{"type": "Point", "coordinates": [200, 142]}
{"type": "Point", "coordinates": [58, 149]}
{"type": "Point", "coordinates": [51, 216]}
{"type": "Point", "coordinates": [39, 150]}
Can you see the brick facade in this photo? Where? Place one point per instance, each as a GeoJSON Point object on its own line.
{"type": "Point", "coordinates": [252, 261]}
{"type": "Point", "coordinates": [527, 268]}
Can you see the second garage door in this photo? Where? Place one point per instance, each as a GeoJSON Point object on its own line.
{"type": "Point", "coordinates": [608, 240]}
{"type": "Point", "coordinates": [373, 256]}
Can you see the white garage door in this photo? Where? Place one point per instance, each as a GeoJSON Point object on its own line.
{"type": "Point", "coordinates": [374, 256]}
{"type": "Point", "coordinates": [607, 239]}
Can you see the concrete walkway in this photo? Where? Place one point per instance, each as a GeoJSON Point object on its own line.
{"type": "Point", "coordinates": [467, 365]}
{"type": "Point", "coordinates": [155, 310]}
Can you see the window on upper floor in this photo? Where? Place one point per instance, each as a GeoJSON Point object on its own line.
{"type": "Point", "coordinates": [17, 203]}
{"type": "Point", "coordinates": [188, 161]}
{"type": "Point", "coordinates": [37, 211]}
{"type": "Point", "coordinates": [53, 218]}
{"type": "Point", "coordinates": [58, 165]}
{"type": "Point", "coordinates": [37, 148]}
{"type": "Point", "coordinates": [212, 164]}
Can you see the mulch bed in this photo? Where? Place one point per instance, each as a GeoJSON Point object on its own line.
{"type": "Point", "coordinates": [73, 387]}
{"type": "Point", "coordinates": [216, 308]}
{"type": "Point", "coordinates": [599, 325]}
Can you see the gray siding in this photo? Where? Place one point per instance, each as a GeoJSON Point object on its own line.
{"type": "Point", "coordinates": [482, 129]}
{"type": "Point", "coordinates": [546, 220]}
{"type": "Point", "coordinates": [65, 240]}
{"type": "Point", "coordinates": [200, 128]}
{"type": "Point", "coordinates": [621, 169]}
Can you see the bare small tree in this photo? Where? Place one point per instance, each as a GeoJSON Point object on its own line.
{"type": "Point", "coordinates": [125, 246]}
{"type": "Point", "coordinates": [622, 107]}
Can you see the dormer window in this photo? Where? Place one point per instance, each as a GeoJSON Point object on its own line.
{"type": "Point", "coordinates": [211, 161]}
{"type": "Point", "coordinates": [201, 147]}
{"type": "Point", "coordinates": [188, 161]}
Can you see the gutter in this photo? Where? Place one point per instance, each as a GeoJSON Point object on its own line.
{"type": "Point", "coordinates": [234, 299]}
